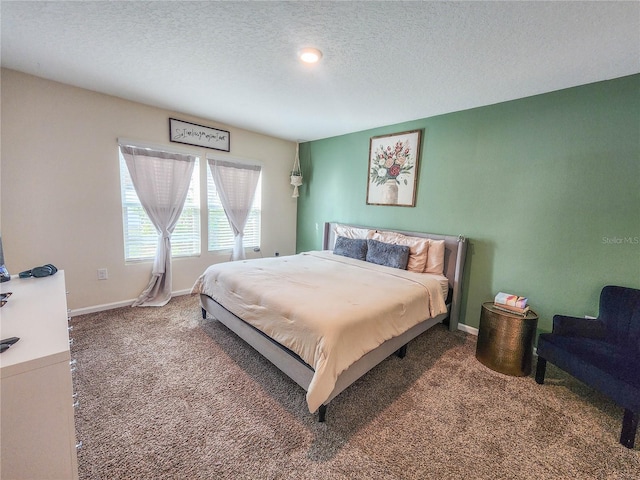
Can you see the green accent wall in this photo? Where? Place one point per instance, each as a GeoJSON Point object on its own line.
{"type": "Point", "coordinates": [545, 188]}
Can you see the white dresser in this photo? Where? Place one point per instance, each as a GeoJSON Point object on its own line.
{"type": "Point", "coordinates": [37, 430]}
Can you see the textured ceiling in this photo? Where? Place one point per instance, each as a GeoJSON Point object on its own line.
{"type": "Point", "coordinates": [384, 62]}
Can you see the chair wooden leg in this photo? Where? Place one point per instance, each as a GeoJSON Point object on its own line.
{"type": "Point", "coordinates": [629, 428]}
{"type": "Point", "coordinates": [541, 368]}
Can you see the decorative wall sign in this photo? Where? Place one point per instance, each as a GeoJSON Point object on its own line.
{"type": "Point", "coordinates": [198, 135]}
{"type": "Point", "coordinates": [393, 169]}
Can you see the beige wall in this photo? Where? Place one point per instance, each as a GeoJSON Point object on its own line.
{"type": "Point", "coordinates": [60, 187]}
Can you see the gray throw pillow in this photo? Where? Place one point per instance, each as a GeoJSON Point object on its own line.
{"type": "Point", "coordinates": [387, 254]}
{"type": "Point", "coordinates": [351, 247]}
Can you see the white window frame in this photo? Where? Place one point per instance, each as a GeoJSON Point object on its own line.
{"type": "Point", "coordinates": [185, 240]}
{"type": "Point", "coordinates": [219, 232]}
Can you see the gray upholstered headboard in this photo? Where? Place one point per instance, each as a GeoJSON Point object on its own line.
{"type": "Point", "coordinates": [454, 257]}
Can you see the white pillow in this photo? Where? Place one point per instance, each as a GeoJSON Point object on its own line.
{"type": "Point", "coordinates": [353, 232]}
{"type": "Point", "coordinates": [435, 257]}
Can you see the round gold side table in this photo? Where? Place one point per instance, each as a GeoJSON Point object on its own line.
{"type": "Point", "coordinates": [505, 340]}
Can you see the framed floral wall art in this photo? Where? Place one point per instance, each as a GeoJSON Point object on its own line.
{"type": "Point", "coordinates": [393, 169]}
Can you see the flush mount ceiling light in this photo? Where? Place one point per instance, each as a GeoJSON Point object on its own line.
{"type": "Point", "coordinates": [310, 55]}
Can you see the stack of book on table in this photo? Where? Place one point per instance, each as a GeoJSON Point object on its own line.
{"type": "Point", "coordinates": [511, 303]}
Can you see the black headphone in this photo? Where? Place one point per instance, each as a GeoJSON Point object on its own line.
{"type": "Point", "coordinates": [38, 272]}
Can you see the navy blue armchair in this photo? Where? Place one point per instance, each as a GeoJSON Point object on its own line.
{"type": "Point", "coordinates": [603, 352]}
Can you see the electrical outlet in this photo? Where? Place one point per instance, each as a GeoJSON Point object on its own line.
{"type": "Point", "coordinates": [103, 274]}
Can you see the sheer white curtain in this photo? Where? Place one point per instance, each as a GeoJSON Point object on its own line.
{"type": "Point", "coordinates": [236, 185]}
{"type": "Point", "coordinates": [161, 180]}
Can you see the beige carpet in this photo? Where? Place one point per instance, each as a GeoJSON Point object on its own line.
{"type": "Point", "coordinates": [165, 394]}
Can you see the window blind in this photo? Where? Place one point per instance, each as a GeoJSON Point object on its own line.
{"type": "Point", "coordinates": [141, 237]}
{"type": "Point", "coordinates": [220, 233]}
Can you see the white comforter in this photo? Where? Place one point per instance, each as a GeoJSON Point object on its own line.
{"type": "Point", "coordinates": [328, 309]}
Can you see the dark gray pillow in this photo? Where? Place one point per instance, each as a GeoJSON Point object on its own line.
{"type": "Point", "coordinates": [351, 247]}
{"type": "Point", "coordinates": [387, 254]}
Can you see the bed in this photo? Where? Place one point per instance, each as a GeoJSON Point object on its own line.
{"type": "Point", "coordinates": [323, 322]}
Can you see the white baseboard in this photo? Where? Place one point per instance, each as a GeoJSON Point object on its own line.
{"type": "Point", "coordinates": [468, 329]}
{"type": "Point", "coordinates": [111, 306]}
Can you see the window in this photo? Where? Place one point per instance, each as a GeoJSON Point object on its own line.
{"type": "Point", "coordinates": [141, 237]}
{"type": "Point", "coordinates": [220, 232]}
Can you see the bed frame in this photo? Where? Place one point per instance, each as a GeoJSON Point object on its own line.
{"type": "Point", "coordinates": [302, 373]}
